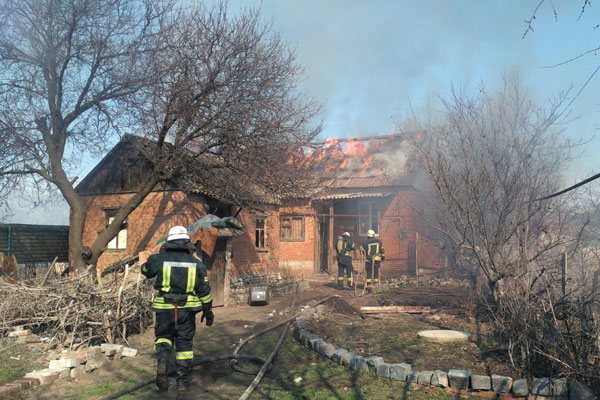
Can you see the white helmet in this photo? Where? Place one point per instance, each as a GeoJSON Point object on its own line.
{"type": "Point", "coordinates": [347, 234]}
{"type": "Point", "coordinates": [177, 232]}
{"type": "Point", "coordinates": [371, 233]}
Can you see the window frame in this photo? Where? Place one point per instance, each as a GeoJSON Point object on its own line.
{"type": "Point", "coordinates": [264, 233]}
{"type": "Point", "coordinates": [369, 217]}
{"type": "Point", "coordinates": [291, 217]}
{"type": "Point", "coordinates": [114, 244]}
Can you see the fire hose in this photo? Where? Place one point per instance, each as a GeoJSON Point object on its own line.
{"type": "Point", "coordinates": [233, 358]}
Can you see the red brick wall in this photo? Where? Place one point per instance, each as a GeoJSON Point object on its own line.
{"type": "Point", "coordinates": [288, 258]}
{"type": "Point", "coordinates": [148, 223]}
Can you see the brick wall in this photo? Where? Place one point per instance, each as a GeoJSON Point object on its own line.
{"type": "Point", "coordinates": [148, 223]}
{"type": "Point", "coordinates": [294, 258]}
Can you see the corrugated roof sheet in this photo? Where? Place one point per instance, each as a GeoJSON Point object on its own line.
{"type": "Point", "coordinates": [353, 195]}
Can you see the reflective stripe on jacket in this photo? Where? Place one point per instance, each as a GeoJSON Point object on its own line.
{"type": "Point", "coordinates": [177, 272]}
{"type": "Point", "coordinates": [373, 249]}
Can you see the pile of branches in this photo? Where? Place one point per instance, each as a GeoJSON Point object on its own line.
{"type": "Point", "coordinates": [76, 311]}
{"type": "Point", "coordinates": [547, 332]}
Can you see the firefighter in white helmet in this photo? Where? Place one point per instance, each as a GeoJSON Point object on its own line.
{"type": "Point", "coordinates": [344, 248]}
{"type": "Point", "coordinates": [374, 255]}
{"type": "Point", "coordinates": [183, 291]}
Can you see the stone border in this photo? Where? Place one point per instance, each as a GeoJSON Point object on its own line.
{"type": "Point", "coordinates": [70, 364]}
{"type": "Point", "coordinates": [454, 381]}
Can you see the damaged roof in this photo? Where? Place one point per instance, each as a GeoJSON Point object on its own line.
{"type": "Point", "coordinates": [368, 167]}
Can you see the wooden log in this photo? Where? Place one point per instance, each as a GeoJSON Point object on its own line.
{"type": "Point", "coordinates": [394, 309]}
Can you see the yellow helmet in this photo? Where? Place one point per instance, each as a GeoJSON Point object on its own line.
{"type": "Point", "coordinates": [371, 233]}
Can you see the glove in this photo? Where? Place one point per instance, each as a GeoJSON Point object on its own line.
{"type": "Point", "coordinates": [207, 306]}
{"type": "Point", "coordinates": [382, 258]}
{"type": "Point", "coordinates": [210, 317]}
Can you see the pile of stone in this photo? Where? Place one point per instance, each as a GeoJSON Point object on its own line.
{"type": "Point", "coordinates": [68, 364]}
{"type": "Point", "coordinates": [458, 382]}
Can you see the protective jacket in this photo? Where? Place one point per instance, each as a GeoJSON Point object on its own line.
{"type": "Point", "coordinates": [177, 274]}
{"type": "Point", "coordinates": [373, 249]}
{"type": "Point", "coordinates": [345, 255]}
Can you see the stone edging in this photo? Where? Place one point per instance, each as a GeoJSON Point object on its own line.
{"type": "Point", "coordinates": [455, 381]}
{"type": "Point", "coordinates": [70, 364]}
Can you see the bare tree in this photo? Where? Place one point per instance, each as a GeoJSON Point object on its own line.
{"type": "Point", "coordinates": [202, 85]}
{"type": "Point", "coordinates": [490, 159]}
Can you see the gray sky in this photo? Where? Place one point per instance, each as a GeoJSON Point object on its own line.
{"type": "Point", "coordinates": [370, 61]}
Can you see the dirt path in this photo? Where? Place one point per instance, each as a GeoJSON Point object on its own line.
{"type": "Point", "coordinates": [232, 324]}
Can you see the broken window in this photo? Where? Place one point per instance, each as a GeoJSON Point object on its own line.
{"type": "Point", "coordinates": [292, 228]}
{"type": "Point", "coordinates": [119, 242]}
{"type": "Point", "coordinates": [260, 234]}
{"type": "Point", "coordinates": [368, 218]}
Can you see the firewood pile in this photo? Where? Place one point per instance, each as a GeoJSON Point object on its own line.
{"type": "Point", "coordinates": [76, 311]}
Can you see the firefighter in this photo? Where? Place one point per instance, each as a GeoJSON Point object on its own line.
{"type": "Point", "coordinates": [183, 291]}
{"type": "Point", "coordinates": [375, 254]}
{"type": "Point", "coordinates": [344, 249]}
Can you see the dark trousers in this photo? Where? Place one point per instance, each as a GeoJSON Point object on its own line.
{"type": "Point", "coordinates": [348, 269]}
{"type": "Point", "coordinates": [181, 338]}
{"type": "Point", "coordinates": [372, 268]}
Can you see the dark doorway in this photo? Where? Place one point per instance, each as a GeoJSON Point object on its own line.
{"type": "Point", "coordinates": [215, 266]}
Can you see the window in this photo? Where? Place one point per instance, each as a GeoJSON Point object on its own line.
{"type": "Point", "coordinates": [369, 217]}
{"type": "Point", "coordinates": [119, 242]}
{"type": "Point", "coordinates": [259, 235]}
{"type": "Point", "coordinates": [292, 228]}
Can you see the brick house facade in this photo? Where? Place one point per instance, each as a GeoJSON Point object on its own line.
{"type": "Point", "coordinates": [295, 238]}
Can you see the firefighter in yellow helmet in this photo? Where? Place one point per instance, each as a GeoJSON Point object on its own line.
{"type": "Point", "coordinates": [183, 291]}
{"type": "Point", "coordinates": [375, 254]}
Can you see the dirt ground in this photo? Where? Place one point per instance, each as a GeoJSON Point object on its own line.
{"type": "Point", "coordinates": [392, 337]}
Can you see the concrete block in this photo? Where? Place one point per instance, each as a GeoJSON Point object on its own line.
{"type": "Point", "coordinates": [8, 391]}
{"type": "Point", "coordinates": [412, 377]}
{"type": "Point", "coordinates": [459, 379]}
{"type": "Point", "coordinates": [17, 333]}
{"type": "Point", "coordinates": [78, 371]}
{"type": "Point", "coordinates": [481, 382]}
{"type": "Point", "coordinates": [32, 381]}
{"type": "Point", "coordinates": [46, 376]}
{"type": "Point", "coordinates": [424, 378]}
{"type": "Point", "coordinates": [383, 370]}
{"type": "Point", "coordinates": [22, 385]}
{"type": "Point", "coordinates": [129, 352]}
{"type": "Point", "coordinates": [314, 342]}
{"type": "Point", "coordinates": [373, 362]}
{"type": "Point", "coordinates": [327, 349]}
{"type": "Point", "coordinates": [560, 388]}
{"type": "Point", "coordinates": [520, 387]}
{"type": "Point", "coordinates": [501, 384]}
{"type": "Point", "coordinates": [578, 391]}
{"type": "Point", "coordinates": [358, 363]}
{"type": "Point", "coordinates": [25, 383]}
{"type": "Point", "coordinates": [301, 321]}
{"type": "Point", "coordinates": [297, 332]}
{"type": "Point", "coordinates": [400, 371]}
{"type": "Point", "coordinates": [63, 363]}
{"type": "Point", "coordinates": [341, 356]}
{"type": "Point", "coordinates": [111, 349]}
{"type": "Point", "coordinates": [440, 378]}
{"type": "Point", "coordinates": [541, 386]}
{"type": "Point", "coordinates": [95, 362]}
{"type": "Point", "coordinates": [307, 337]}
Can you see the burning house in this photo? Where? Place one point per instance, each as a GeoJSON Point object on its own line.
{"type": "Point", "coordinates": [362, 184]}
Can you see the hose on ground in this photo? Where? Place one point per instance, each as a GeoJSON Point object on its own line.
{"type": "Point", "coordinates": [233, 358]}
{"type": "Point", "coordinates": [196, 362]}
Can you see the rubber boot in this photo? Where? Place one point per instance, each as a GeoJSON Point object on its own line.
{"type": "Point", "coordinates": [161, 376]}
{"type": "Point", "coordinates": [183, 379]}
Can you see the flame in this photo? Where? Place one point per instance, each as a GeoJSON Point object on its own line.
{"type": "Point", "coordinates": [366, 162]}
{"type": "Point", "coordinates": [344, 163]}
